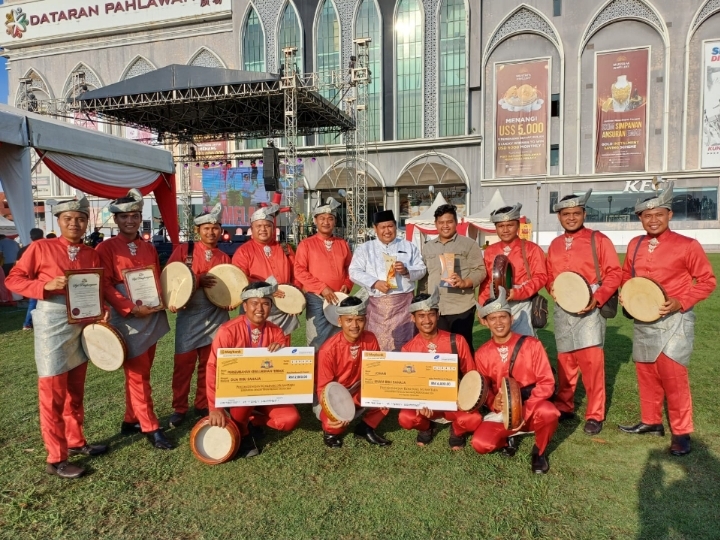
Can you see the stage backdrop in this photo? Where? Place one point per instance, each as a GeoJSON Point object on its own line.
{"type": "Point", "coordinates": [711, 104]}
{"type": "Point", "coordinates": [522, 92]}
{"type": "Point", "coordinates": [621, 83]}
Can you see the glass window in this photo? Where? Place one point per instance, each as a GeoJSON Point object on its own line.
{"type": "Point", "coordinates": [409, 70]}
{"type": "Point", "coordinates": [453, 52]}
{"type": "Point", "coordinates": [555, 106]}
{"type": "Point", "coordinates": [553, 200]}
{"type": "Point", "coordinates": [289, 35]}
{"type": "Point", "coordinates": [327, 59]}
{"type": "Point", "coordinates": [369, 24]}
{"type": "Point", "coordinates": [253, 43]}
{"type": "Point", "coordinates": [689, 204]}
{"type": "Point", "coordinates": [554, 155]}
{"type": "Point", "coordinates": [557, 8]}
{"type": "Point", "coordinates": [416, 200]}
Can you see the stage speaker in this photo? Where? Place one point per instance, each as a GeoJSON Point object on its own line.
{"type": "Point", "coordinates": [271, 168]}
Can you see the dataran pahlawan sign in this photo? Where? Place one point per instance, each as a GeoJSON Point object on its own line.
{"type": "Point", "coordinates": [49, 20]}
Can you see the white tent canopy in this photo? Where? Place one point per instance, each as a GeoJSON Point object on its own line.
{"type": "Point", "coordinates": [483, 216]}
{"type": "Point", "coordinates": [428, 216]}
{"type": "Point", "coordinates": [105, 155]}
{"type": "Point", "coordinates": [7, 227]}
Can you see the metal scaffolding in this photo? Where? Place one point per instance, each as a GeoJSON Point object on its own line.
{"type": "Point", "coordinates": [288, 82]}
{"type": "Point", "coordinates": [360, 78]}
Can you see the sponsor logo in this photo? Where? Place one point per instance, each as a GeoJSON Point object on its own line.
{"type": "Point", "coordinates": [16, 23]}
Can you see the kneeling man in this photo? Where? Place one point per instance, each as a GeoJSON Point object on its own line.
{"type": "Point", "coordinates": [530, 367]}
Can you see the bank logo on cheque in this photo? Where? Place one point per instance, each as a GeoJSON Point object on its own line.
{"type": "Point", "coordinates": [16, 23]}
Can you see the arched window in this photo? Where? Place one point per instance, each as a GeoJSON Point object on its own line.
{"type": "Point", "coordinates": [408, 70]}
{"type": "Point", "coordinates": [452, 53]}
{"type": "Point", "coordinates": [369, 24]}
{"type": "Point", "coordinates": [327, 56]}
{"type": "Point", "coordinates": [253, 43]}
{"type": "Point", "coordinates": [290, 35]}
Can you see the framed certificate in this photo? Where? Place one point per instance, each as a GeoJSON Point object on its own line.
{"type": "Point", "coordinates": [409, 380]}
{"type": "Point", "coordinates": [84, 298]}
{"type": "Point", "coordinates": [142, 286]}
{"type": "Point", "coordinates": [252, 377]}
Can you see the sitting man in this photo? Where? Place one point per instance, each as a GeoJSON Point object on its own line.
{"type": "Point", "coordinates": [425, 313]}
{"type": "Point", "coordinates": [245, 331]}
{"type": "Point", "coordinates": [340, 360]}
{"type": "Point", "coordinates": [530, 367]}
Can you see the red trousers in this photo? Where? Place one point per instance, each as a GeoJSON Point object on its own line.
{"type": "Point", "coordinates": [61, 412]}
{"type": "Point", "coordinates": [372, 418]}
{"type": "Point", "coordinates": [491, 436]}
{"type": "Point", "coordinates": [138, 394]}
{"type": "Point", "coordinates": [591, 363]}
{"type": "Point", "coordinates": [280, 417]}
{"type": "Point", "coordinates": [666, 379]}
{"type": "Point", "coordinates": [462, 422]}
{"type": "Point", "coordinates": [182, 375]}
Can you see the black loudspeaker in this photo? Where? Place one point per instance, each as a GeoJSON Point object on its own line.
{"type": "Point", "coordinates": [271, 168]}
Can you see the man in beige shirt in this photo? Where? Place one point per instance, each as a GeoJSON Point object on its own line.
{"type": "Point", "coordinates": [456, 277]}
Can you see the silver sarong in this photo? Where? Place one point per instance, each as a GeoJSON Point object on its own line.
{"type": "Point", "coordinates": [287, 323]}
{"type": "Point", "coordinates": [58, 345]}
{"type": "Point", "coordinates": [673, 335]}
{"type": "Point", "coordinates": [197, 324]}
{"type": "Point", "coordinates": [317, 327]}
{"type": "Point", "coordinates": [575, 332]}
{"type": "Point", "coordinates": [389, 319]}
{"type": "Point", "coordinates": [521, 313]}
{"type": "Point", "coordinates": [139, 333]}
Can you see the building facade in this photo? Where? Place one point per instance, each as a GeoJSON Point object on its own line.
{"type": "Point", "coordinates": [539, 99]}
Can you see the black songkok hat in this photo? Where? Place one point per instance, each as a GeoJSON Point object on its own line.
{"type": "Point", "coordinates": [381, 217]}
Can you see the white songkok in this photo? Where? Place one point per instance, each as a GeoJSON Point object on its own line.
{"type": "Point", "coordinates": [133, 202]}
{"type": "Point", "coordinates": [499, 304]}
{"type": "Point", "coordinates": [80, 204]}
{"type": "Point", "coordinates": [212, 217]}
{"type": "Point", "coordinates": [510, 215]}
{"type": "Point", "coordinates": [577, 200]}
{"type": "Point", "coordinates": [428, 304]}
{"type": "Point", "coordinates": [327, 208]}
{"type": "Point", "coordinates": [664, 200]}
{"type": "Point", "coordinates": [262, 292]}
{"type": "Point", "coordinates": [267, 213]}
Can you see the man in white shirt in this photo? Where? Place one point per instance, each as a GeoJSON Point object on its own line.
{"type": "Point", "coordinates": [388, 269]}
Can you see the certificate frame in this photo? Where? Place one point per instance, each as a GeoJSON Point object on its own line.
{"type": "Point", "coordinates": [74, 312]}
{"type": "Point", "coordinates": [127, 278]}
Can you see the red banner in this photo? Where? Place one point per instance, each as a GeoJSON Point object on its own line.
{"type": "Point", "coordinates": [521, 118]}
{"type": "Point", "coordinates": [621, 80]}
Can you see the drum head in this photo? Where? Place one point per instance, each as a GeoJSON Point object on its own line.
{"type": "Point", "coordinates": [294, 301]}
{"type": "Point", "coordinates": [103, 346]}
{"type": "Point", "coordinates": [469, 391]}
{"type": "Point", "coordinates": [330, 310]}
{"type": "Point", "coordinates": [338, 402]}
{"type": "Point", "coordinates": [230, 282]}
{"type": "Point", "coordinates": [213, 445]}
{"type": "Point", "coordinates": [642, 298]}
{"type": "Point", "coordinates": [502, 274]}
{"type": "Point", "coordinates": [572, 292]}
{"type": "Point", "coordinates": [178, 284]}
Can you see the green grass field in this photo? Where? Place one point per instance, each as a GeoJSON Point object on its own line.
{"type": "Point", "coordinates": [610, 486]}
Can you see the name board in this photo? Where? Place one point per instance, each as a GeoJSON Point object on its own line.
{"type": "Point", "coordinates": [50, 20]}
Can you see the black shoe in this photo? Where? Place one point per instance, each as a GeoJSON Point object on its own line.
{"type": "Point", "coordinates": [539, 463]}
{"type": "Point", "coordinates": [248, 448]}
{"type": "Point", "coordinates": [202, 413]}
{"type": "Point", "coordinates": [566, 416]}
{"type": "Point", "coordinates": [64, 469]}
{"type": "Point", "coordinates": [88, 450]}
{"type": "Point", "coordinates": [640, 429]}
{"type": "Point", "coordinates": [457, 442]}
{"type": "Point", "coordinates": [425, 437]}
{"type": "Point", "coordinates": [511, 449]}
{"type": "Point", "coordinates": [332, 441]}
{"type": "Point", "coordinates": [593, 427]}
{"type": "Point", "coordinates": [368, 433]}
{"type": "Point", "coordinates": [680, 445]}
{"type": "Point", "coordinates": [129, 428]}
{"type": "Point", "coordinates": [257, 432]}
{"type": "Point", "coordinates": [176, 419]}
{"type": "Point", "coordinates": [158, 440]}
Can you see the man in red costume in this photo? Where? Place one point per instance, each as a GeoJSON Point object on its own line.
{"type": "Point", "coordinates": [580, 337]}
{"type": "Point", "coordinates": [199, 320]}
{"type": "Point", "coordinates": [425, 313]}
{"type": "Point", "coordinates": [528, 264]}
{"type": "Point", "coordinates": [321, 267]}
{"type": "Point", "coordinates": [141, 326]}
{"type": "Point", "coordinates": [250, 330]}
{"type": "Point", "coordinates": [531, 369]}
{"type": "Point", "coordinates": [262, 258]}
{"type": "Point", "coordinates": [662, 349]}
{"type": "Point", "coordinates": [59, 356]}
{"type": "Point", "coordinates": [340, 360]}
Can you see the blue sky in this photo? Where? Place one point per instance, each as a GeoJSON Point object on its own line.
{"type": "Point", "coordinates": [3, 79]}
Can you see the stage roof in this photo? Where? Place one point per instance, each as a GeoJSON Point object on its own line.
{"type": "Point", "coordinates": [192, 103]}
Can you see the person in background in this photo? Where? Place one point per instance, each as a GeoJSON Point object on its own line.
{"type": "Point", "coordinates": [35, 234]}
{"type": "Point", "coordinates": [9, 251]}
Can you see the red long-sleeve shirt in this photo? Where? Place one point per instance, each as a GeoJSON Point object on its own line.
{"type": "Point", "coordinates": [678, 264]}
{"type": "Point", "coordinates": [535, 259]}
{"type": "Point", "coordinates": [200, 265]}
{"type": "Point", "coordinates": [235, 334]}
{"type": "Point", "coordinates": [116, 257]}
{"type": "Point", "coordinates": [251, 259]}
{"type": "Point", "coordinates": [442, 343]}
{"type": "Point", "coordinates": [43, 261]}
{"type": "Point", "coordinates": [336, 362]}
{"type": "Point", "coordinates": [531, 367]}
{"type": "Point", "coordinates": [317, 268]}
{"type": "Point", "coordinates": [579, 259]}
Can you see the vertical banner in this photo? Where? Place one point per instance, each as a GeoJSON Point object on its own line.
{"type": "Point", "coordinates": [621, 82]}
{"type": "Point", "coordinates": [522, 92]}
{"type": "Point", "coordinates": [711, 104]}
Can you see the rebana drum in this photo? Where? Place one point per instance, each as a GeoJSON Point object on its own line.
{"type": "Point", "coordinates": [572, 292]}
{"type": "Point", "coordinates": [472, 392]}
{"type": "Point", "coordinates": [330, 310]}
{"type": "Point", "coordinates": [229, 284]}
{"type": "Point", "coordinates": [104, 346]}
{"type": "Point", "coordinates": [337, 403]}
{"type": "Point", "coordinates": [214, 445]}
{"type": "Point", "coordinates": [512, 403]}
{"type": "Point", "coordinates": [178, 284]}
{"type": "Point", "coordinates": [502, 274]}
{"type": "Point", "coordinates": [294, 301]}
{"type": "Point", "coordinates": [642, 298]}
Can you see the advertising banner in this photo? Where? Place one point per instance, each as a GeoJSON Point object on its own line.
{"type": "Point", "coordinates": [212, 152]}
{"type": "Point", "coordinates": [522, 91]}
{"type": "Point", "coordinates": [711, 105]}
{"type": "Point", "coordinates": [621, 82]}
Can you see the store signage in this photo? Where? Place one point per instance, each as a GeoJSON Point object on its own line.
{"type": "Point", "coordinates": [637, 186]}
{"type": "Point", "coordinates": [49, 20]}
